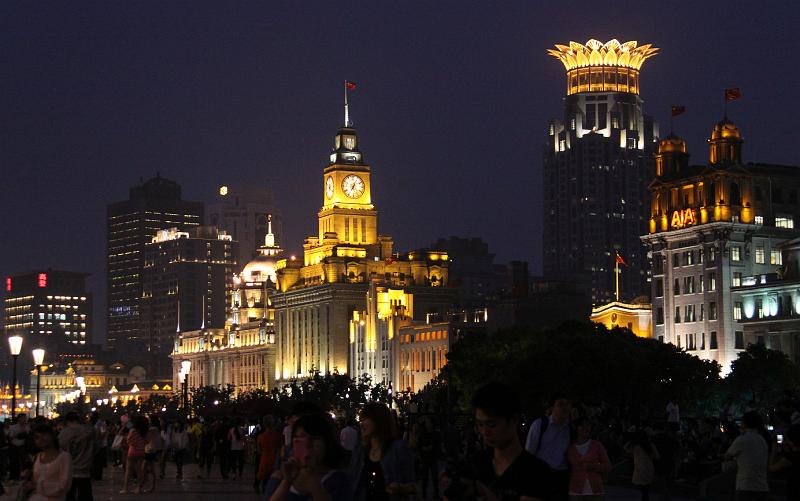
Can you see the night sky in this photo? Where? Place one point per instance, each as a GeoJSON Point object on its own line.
{"type": "Point", "coordinates": [451, 108]}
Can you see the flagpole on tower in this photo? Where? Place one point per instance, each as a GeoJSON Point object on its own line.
{"type": "Point", "coordinates": [346, 107]}
{"type": "Point", "coordinates": [616, 273]}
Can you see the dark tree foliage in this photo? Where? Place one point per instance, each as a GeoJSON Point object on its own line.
{"type": "Point", "coordinates": [761, 375]}
{"type": "Point", "coordinates": [585, 361]}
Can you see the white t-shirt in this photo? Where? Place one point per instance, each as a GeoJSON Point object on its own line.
{"type": "Point", "coordinates": [751, 453]}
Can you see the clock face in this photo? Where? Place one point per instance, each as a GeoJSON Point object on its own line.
{"type": "Point", "coordinates": [353, 186]}
{"type": "Point", "coordinates": [329, 187]}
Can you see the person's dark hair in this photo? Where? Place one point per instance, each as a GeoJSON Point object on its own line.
{"type": "Point", "coordinates": [381, 417]}
{"type": "Point", "coordinates": [576, 423]}
{"type": "Point", "coordinates": [319, 426]}
{"type": "Point", "coordinates": [72, 417]}
{"type": "Point", "coordinates": [497, 399]}
{"type": "Point", "coordinates": [555, 397]}
{"type": "Point", "coordinates": [752, 420]}
{"type": "Point", "coordinates": [141, 425]}
{"type": "Point", "coordinates": [44, 429]}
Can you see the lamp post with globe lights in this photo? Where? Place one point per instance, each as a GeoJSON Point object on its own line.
{"type": "Point", "coordinates": [14, 347]}
{"type": "Point", "coordinates": [38, 360]}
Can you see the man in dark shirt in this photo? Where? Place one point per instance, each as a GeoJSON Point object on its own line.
{"type": "Point", "coordinates": [507, 472]}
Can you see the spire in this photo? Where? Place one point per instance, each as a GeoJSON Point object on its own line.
{"type": "Point", "coordinates": [178, 328]}
{"type": "Point", "coordinates": [269, 240]}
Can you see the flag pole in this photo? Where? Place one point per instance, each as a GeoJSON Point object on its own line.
{"type": "Point", "coordinates": [616, 273]}
{"type": "Point", "coordinates": [346, 107]}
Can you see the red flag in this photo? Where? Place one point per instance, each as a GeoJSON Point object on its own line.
{"type": "Point", "coordinates": [350, 85]}
{"type": "Point", "coordinates": [620, 260]}
{"type": "Point", "coordinates": [733, 94]}
{"type": "Point", "coordinates": [678, 110]}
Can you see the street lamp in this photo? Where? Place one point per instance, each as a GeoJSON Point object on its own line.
{"type": "Point", "coordinates": [38, 359]}
{"type": "Point", "coordinates": [15, 347]}
{"type": "Point", "coordinates": [186, 366]}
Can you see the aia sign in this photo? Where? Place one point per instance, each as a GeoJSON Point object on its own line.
{"type": "Point", "coordinates": [683, 218]}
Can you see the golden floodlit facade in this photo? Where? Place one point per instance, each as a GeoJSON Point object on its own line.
{"type": "Point", "coordinates": [713, 227]}
{"type": "Point", "coordinates": [636, 316]}
{"type": "Point", "coordinates": [318, 295]}
{"type": "Point", "coordinates": [242, 354]}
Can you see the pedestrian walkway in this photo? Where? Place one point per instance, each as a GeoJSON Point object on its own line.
{"type": "Point", "coordinates": [190, 488]}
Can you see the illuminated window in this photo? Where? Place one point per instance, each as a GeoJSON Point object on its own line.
{"type": "Point", "coordinates": [737, 279]}
{"type": "Point", "coordinates": [759, 219]}
{"type": "Point", "coordinates": [736, 253]}
{"type": "Point", "coordinates": [712, 281]}
{"type": "Point", "coordinates": [737, 311]}
{"type": "Point", "coordinates": [775, 257]}
{"type": "Point", "coordinates": [760, 254]}
{"type": "Point", "coordinates": [784, 221]}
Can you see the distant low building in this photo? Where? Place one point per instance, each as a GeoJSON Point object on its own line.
{"type": "Point", "coordinates": [769, 311]}
{"type": "Point", "coordinates": [636, 316]}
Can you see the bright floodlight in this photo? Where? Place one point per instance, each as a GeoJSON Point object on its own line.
{"type": "Point", "coordinates": [15, 345]}
{"type": "Point", "coordinates": [186, 365]}
{"type": "Point", "coordinates": [38, 356]}
{"type": "Point", "coordinates": [79, 381]}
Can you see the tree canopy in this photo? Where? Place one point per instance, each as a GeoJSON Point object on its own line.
{"type": "Point", "coordinates": [584, 361]}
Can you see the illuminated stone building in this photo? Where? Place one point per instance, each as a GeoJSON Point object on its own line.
{"type": "Point", "coordinates": [242, 354]}
{"type": "Point", "coordinates": [46, 304]}
{"type": "Point", "coordinates": [710, 227]}
{"type": "Point", "coordinates": [392, 348]}
{"type": "Point", "coordinates": [153, 205]}
{"type": "Point", "coordinates": [636, 316]}
{"type": "Point", "coordinates": [243, 358]}
{"type": "Point", "coordinates": [242, 212]}
{"type": "Point", "coordinates": [104, 383]}
{"type": "Point", "coordinates": [770, 304]}
{"type": "Point", "coordinates": [318, 294]}
{"type": "Point", "coordinates": [186, 278]}
{"type": "Point", "coordinates": [597, 164]}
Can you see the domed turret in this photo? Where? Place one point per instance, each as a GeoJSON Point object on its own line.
{"type": "Point", "coordinates": [671, 157]}
{"type": "Point", "coordinates": [725, 145]}
{"type": "Point", "coordinates": [264, 266]}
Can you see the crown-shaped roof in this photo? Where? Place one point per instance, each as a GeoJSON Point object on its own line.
{"type": "Point", "coordinates": [596, 53]}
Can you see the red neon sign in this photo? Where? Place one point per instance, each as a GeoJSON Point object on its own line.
{"type": "Point", "coordinates": [8, 284]}
{"type": "Point", "coordinates": [42, 280]}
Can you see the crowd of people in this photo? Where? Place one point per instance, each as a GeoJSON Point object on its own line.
{"type": "Point", "coordinates": [378, 454]}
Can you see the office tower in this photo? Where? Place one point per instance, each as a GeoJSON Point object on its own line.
{"type": "Point", "coordinates": [131, 224]}
{"type": "Point", "coordinates": [597, 165]}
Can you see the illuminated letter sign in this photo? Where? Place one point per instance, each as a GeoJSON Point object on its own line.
{"type": "Point", "coordinates": [683, 218]}
{"type": "Point", "coordinates": [42, 280]}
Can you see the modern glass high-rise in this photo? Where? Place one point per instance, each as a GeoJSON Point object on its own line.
{"type": "Point", "coordinates": [131, 224]}
{"type": "Point", "coordinates": [597, 165]}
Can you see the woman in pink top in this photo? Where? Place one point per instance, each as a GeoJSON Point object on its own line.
{"type": "Point", "coordinates": [52, 470]}
{"type": "Point", "coordinates": [588, 463]}
{"type": "Point", "coordinates": [137, 440]}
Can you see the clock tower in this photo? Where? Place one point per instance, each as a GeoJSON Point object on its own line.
{"type": "Point", "coordinates": [347, 208]}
